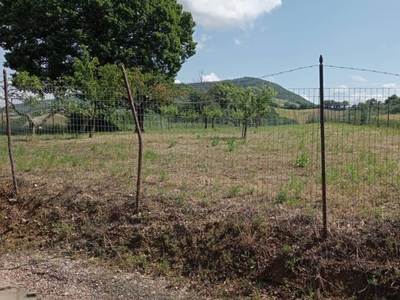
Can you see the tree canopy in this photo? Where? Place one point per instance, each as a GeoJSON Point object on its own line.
{"type": "Point", "coordinates": [42, 37]}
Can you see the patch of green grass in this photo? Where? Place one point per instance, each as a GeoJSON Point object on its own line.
{"type": "Point", "coordinates": [172, 143]}
{"type": "Point", "coordinates": [282, 196]}
{"type": "Point", "coordinates": [234, 191]}
{"type": "Point", "coordinates": [215, 142]}
{"type": "Point", "coordinates": [231, 144]}
{"type": "Point", "coordinates": [164, 173]}
{"type": "Point", "coordinates": [150, 155]}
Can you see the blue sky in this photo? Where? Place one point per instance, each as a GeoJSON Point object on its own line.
{"type": "Point", "coordinates": [238, 38]}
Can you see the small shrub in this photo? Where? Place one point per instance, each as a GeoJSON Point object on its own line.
{"type": "Point", "coordinates": [231, 144]}
{"type": "Point", "coordinates": [302, 161]}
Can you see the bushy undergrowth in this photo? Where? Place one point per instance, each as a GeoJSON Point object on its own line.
{"type": "Point", "coordinates": [235, 249]}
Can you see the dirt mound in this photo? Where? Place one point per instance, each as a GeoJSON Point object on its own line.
{"type": "Point", "coordinates": [229, 248]}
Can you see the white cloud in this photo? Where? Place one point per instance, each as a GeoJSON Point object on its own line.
{"type": "Point", "coordinates": [210, 77]}
{"type": "Point", "coordinates": [224, 14]}
{"type": "Point", "coordinates": [202, 42]}
{"type": "Point", "coordinates": [177, 81]}
{"type": "Point", "coordinates": [362, 96]}
{"type": "Point", "coordinates": [359, 78]}
{"type": "Point", "coordinates": [305, 97]}
{"type": "Point", "coordinates": [389, 85]}
{"type": "Point", "coordinates": [237, 42]}
{"type": "Point", "coordinates": [340, 90]}
{"type": "Point", "coordinates": [270, 78]}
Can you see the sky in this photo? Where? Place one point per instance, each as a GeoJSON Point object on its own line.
{"type": "Point", "coordinates": [257, 38]}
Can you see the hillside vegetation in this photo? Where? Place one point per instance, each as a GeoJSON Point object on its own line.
{"type": "Point", "coordinates": [282, 93]}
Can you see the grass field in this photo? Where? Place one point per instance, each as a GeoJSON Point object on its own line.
{"type": "Point", "coordinates": [241, 215]}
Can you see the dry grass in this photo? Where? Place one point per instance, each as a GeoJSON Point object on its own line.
{"type": "Point", "coordinates": [219, 209]}
{"type": "Point", "coordinates": [301, 116]}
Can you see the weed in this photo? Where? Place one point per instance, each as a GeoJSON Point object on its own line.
{"type": "Point", "coordinates": [215, 142]}
{"type": "Point", "coordinates": [64, 230]}
{"type": "Point", "coordinates": [163, 266]}
{"type": "Point", "coordinates": [231, 144]}
{"type": "Point", "coordinates": [141, 261]}
{"type": "Point", "coordinates": [302, 160]}
{"type": "Point", "coordinates": [234, 191]}
{"type": "Point", "coordinates": [164, 174]}
{"type": "Point", "coordinates": [294, 202]}
{"type": "Point", "coordinates": [172, 143]}
{"type": "Point", "coordinates": [281, 197]}
{"type": "Point", "coordinates": [373, 281]}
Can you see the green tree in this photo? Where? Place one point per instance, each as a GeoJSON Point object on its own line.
{"type": "Point", "coordinates": [153, 91]}
{"type": "Point", "coordinates": [170, 111]}
{"type": "Point", "coordinates": [42, 37]}
{"type": "Point", "coordinates": [97, 89]}
{"type": "Point", "coordinates": [210, 112]}
{"type": "Point", "coordinates": [252, 103]}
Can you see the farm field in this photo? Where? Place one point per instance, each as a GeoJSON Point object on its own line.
{"type": "Point", "coordinates": [234, 218]}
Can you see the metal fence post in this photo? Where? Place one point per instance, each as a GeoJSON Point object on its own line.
{"type": "Point", "coordinates": [323, 170]}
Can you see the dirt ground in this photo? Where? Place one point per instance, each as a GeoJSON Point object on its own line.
{"type": "Point", "coordinates": [63, 278]}
{"type": "Point", "coordinates": [65, 242]}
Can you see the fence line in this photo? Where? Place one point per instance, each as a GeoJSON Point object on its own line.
{"type": "Point", "coordinates": [188, 155]}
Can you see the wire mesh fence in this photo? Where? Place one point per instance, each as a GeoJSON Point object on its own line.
{"type": "Point", "coordinates": [194, 153]}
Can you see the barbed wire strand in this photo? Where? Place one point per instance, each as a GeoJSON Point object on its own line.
{"type": "Point", "coordinates": [363, 70]}
{"type": "Point", "coordinates": [289, 71]}
{"type": "Point", "coordinates": [331, 66]}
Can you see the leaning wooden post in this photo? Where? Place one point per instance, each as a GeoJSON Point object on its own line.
{"type": "Point", "coordinates": [8, 120]}
{"type": "Point", "coordinates": [139, 133]}
{"type": "Point", "coordinates": [323, 170]}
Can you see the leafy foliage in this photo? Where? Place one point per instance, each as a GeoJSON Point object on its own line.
{"type": "Point", "coordinates": [150, 34]}
{"type": "Point", "coordinates": [281, 93]}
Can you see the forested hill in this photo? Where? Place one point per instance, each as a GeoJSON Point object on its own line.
{"type": "Point", "coordinates": [282, 93]}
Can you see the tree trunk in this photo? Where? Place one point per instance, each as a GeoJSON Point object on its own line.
{"type": "Point", "coordinates": [93, 121]}
{"type": "Point", "coordinates": [244, 132]}
{"type": "Point", "coordinates": [92, 128]}
{"type": "Point", "coordinates": [205, 122]}
{"type": "Point", "coordinates": [31, 127]}
{"type": "Point", "coordinates": [212, 123]}
{"type": "Point", "coordinates": [83, 125]}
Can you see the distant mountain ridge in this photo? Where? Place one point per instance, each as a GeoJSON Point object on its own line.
{"type": "Point", "coordinates": [282, 93]}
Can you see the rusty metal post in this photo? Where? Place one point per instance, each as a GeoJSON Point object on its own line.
{"type": "Point", "coordinates": [139, 133]}
{"type": "Point", "coordinates": [323, 169]}
{"type": "Point", "coordinates": [8, 120]}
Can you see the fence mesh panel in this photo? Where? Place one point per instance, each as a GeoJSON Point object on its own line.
{"type": "Point", "coordinates": [190, 157]}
